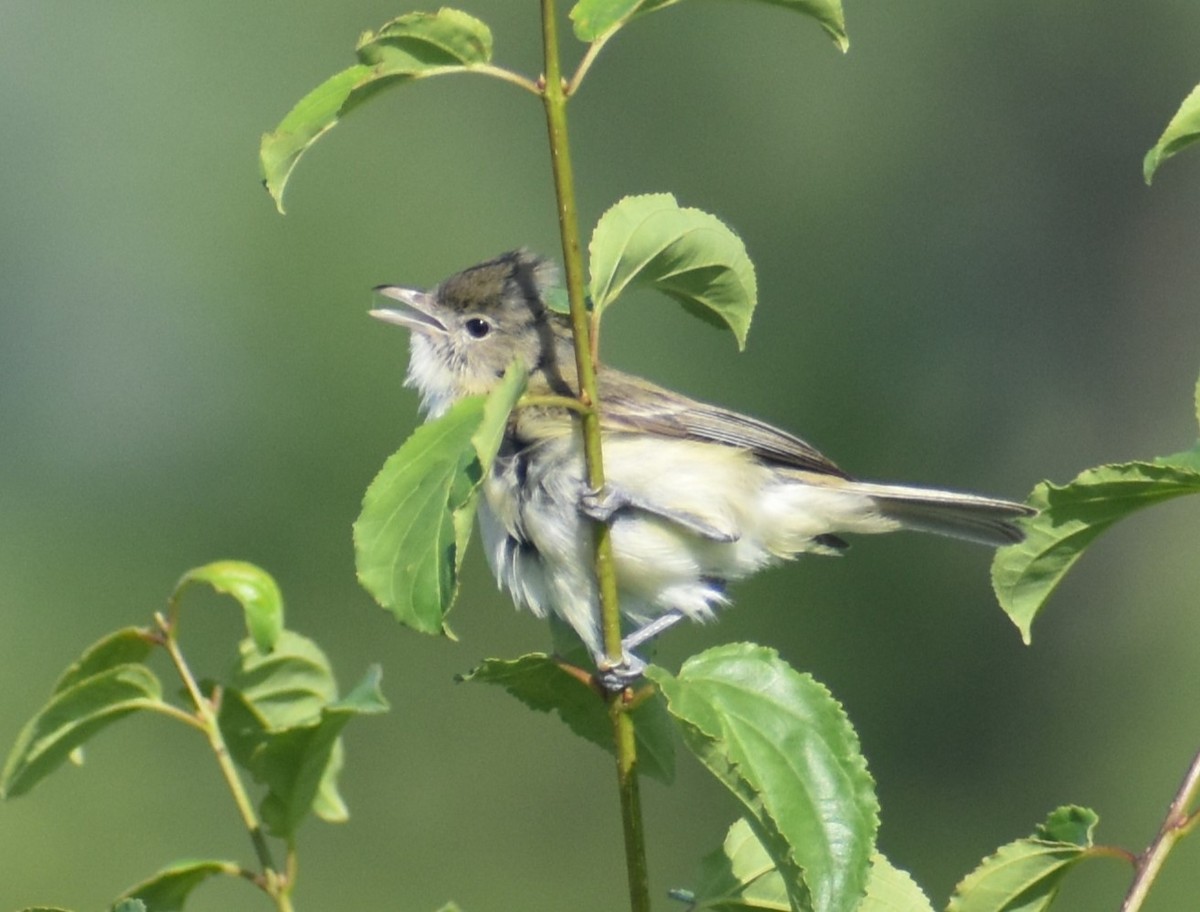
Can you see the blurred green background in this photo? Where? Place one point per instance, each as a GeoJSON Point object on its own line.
{"type": "Point", "coordinates": [963, 281]}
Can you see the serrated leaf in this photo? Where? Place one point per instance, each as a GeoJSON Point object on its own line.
{"type": "Point", "coordinates": [593, 18]}
{"type": "Point", "coordinates": [1182, 130]}
{"type": "Point", "coordinates": [168, 890]}
{"type": "Point", "coordinates": [1070, 518]}
{"type": "Point", "coordinates": [890, 889]}
{"type": "Point", "coordinates": [1025, 875]}
{"type": "Point", "coordinates": [740, 877]}
{"type": "Point", "coordinates": [411, 47]}
{"type": "Point", "coordinates": [296, 764]}
{"type": "Point", "coordinates": [784, 747]}
{"type": "Point", "coordinates": [254, 588]}
{"type": "Point", "coordinates": [73, 715]}
{"type": "Point", "coordinates": [685, 253]}
{"type": "Point", "coordinates": [415, 524]}
{"type": "Point", "coordinates": [127, 646]}
{"type": "Point", "coordinates": [539, 682]}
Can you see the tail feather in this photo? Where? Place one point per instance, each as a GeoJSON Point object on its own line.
{"type": "Point", "coordinates": [985, 520]}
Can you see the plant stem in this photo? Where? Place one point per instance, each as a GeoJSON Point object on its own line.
{"type": "Point", "coordinates": [1175, 825]}
{"type": "Point", "coordinates": [555, 101]}
{"type": "Point", "coordinates": [270, 880]}
{"type": "Point", "coordinates": [554, 98]}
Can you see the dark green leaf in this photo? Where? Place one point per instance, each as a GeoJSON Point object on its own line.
{"type": "Point", "coordinates": [1070, 518]}
{"type": "Point", "coordinates": [127, 646]}
{"type": "Point", "coordinates": [542, 684]}
{"type": "Point", "coordinates": [168, 890]}
{"type": "Point", "coordinates": [1025, 875]}
{"type": "Point", "coordinates": [73, 715]}
{"type": "Point", "coordinates": [1182, 131]}
{"type": "Point", "coordinates": [298, 765]}
{"type": "Point", "coordinates": [411, 47]}
{"type": "Point", "coordinates": [784, 747]}
{"type": "Point", "coordinates": [415, 523]}
{"type": "Point", "coordinates": [252, 586]}
{"type": "Point", "coordinates": [740, 877]}
{"type": "Point", "coordinates": [685, 253]}
{"type": "Point", "coordinates": [593, 18]}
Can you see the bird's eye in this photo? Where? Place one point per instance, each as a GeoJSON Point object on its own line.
{"type": "Point", "coordinates": [477, 328]}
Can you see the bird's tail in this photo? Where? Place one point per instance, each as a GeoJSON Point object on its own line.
{"type": "Point", "coordinates": [985, 520]}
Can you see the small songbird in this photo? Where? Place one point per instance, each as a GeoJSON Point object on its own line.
{"type": "Point", "coordinates": [696, 495]}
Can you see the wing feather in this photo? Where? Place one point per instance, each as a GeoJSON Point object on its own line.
{"type": "Point", "coordinates": [632, 404]}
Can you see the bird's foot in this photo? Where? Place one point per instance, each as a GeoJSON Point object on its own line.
{"type": "Point", "coordinates": [614, 678]}
{"type": "Point", "coordinates": [601, 504]}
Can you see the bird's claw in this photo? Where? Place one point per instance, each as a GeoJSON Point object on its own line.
{"type": "Point", "coordinates": [614, 678]}
{"type": "Point", "coordinates": [600, 504]}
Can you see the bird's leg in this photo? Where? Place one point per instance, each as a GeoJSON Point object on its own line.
{"type": "Point", "coordinates": [603, 503]}
{"type": "Point", "coordinates": [614, 678]}
{"type": "Point", "coordinates": [649, 631]}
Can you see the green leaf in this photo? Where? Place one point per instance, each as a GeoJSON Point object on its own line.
{"type": "Point", "coordinates": [890, 889]}
{"type": "Point", "coordinates": [784, 747]}
{"type": "Point", "coordinates": [296, 764]}
{"type": "Point", "coordinates": [1182, 131]}
{"type": "Point", "coordinates": [130, 905]}
{"type": "Point", "coordinates": [687, 254]}
{"type": "Point", "coordinates": [1025, 875]}
{"type": "Point", "coordinates": [280, 717]}
{"type": "Point", "coordinates": [252, 586]}
{"type": "Point", "coordinates": [127, 646]}
{"type": "Point", "coordinates": [1070, 518]}
{"type": "Point", "coordinates": [539, 682]}
{"type": "Point", "coordinates": [594, 18]}
{"type": "Point", "coordinates": [415, 524]}
{"type": "Point", "coordinates": [48, 909]}
{"type": "Point", "coordinates": [740, 877]}
{"type": "Point", "coordinates": [73, 715]}
{"type": "Point", "coordinates": [290, 686]}
{"type": "Point", "coordinates": [411, 47]}
{"type": "Point", "coordinates": [168, 889]}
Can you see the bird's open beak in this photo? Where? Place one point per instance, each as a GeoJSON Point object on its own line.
{"type": "Point", "coordinates": [413, 313]}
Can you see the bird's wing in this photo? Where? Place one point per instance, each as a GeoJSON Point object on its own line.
{"type": "Point", "coordinates": [631, 404]}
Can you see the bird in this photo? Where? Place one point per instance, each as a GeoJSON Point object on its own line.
{"type": "Point", "coordinates": [696, 496]}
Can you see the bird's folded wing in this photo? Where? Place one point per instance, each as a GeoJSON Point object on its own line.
{"type": "Point", "coordinates": [634, 405]}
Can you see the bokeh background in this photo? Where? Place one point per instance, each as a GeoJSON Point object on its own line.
{"type": "Point", "coordinates": [963, 279]}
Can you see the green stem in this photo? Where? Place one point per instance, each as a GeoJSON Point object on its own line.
{"type": "Point", "coordinates": [270, 880]}
{"type": "Point", "coordinates": [554, 98]}
{"type": "Point", "coordinates": [1175, 825]}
